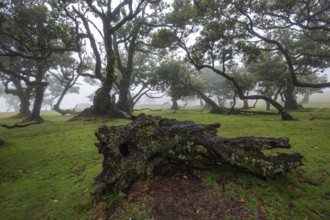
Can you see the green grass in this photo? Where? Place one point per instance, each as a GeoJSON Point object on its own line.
{"type": "Point", "coordinates": [47, 171]}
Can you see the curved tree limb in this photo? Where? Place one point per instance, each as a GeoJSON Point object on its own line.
{"type": "Point", "coordinates": [285, 115]}
{"type": "Point", "coordinates": [18, 125]}
{"type": "Point", "coordinates": [293, 75]}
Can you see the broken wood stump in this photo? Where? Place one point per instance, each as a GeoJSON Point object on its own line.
{"type": "Point", "coordinates": [151, 146]}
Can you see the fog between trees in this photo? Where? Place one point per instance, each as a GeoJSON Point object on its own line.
{"type": "Point", "coordinates": [272, 51]}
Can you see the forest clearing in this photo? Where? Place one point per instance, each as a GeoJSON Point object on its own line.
{"type": "Point", "coordinates": [48, 170]}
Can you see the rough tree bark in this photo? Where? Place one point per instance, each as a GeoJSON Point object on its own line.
{"type": "Point", "coordinates": [175, 105]}
{"type": "Point", "coordinates": [39, 96]}
{"type": "Point", "coordinates": [124, 101]}
{"type": "Point", "coordinates": [245, 104]}
{"type": "Point", "coordinates": [290, 100]}
{"type": "Point", "coordinates": [24, 107]}
{"type": "Point", "coordinates": [24, 96]}
{"type": "Point", "coordinates": [154, 146]}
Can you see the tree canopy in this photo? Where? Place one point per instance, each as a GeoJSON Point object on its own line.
{"type": "Point", "coordinates": [263, 49]}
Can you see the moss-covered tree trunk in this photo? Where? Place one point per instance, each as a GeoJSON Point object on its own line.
{"type": "Point", "coordinates": [24, 107]}
{"type": "Point", "coordinates": [175, 105]}
{"type": "Point", "coordinates": [123, 103]}
{"type": "Point", "coordinates": [38, 98]}
{"type": "Point", "coordinates": [23, 95]}
{"type": "Point", "coordinates": [102, 100]}
{"type": "Point", "coordinates": [155, 146]}
{"type": "Point", "coordinates": [290, 100]}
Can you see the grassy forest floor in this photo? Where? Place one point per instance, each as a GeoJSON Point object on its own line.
{"type": "Point", "coordinates": [47, 171]}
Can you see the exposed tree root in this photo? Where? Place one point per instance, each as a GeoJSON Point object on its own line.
{"type": "Point", "coordinates": [20, 116]}
{"type": "Point", "coordinates": [17, 125]}
{"type": "Point", "coordinates": [65, 111]}
{"type": "Point", "coordinates": [248, 112]}
{"type": "Point", "coordinates": [148, 109]}
{"type": "Point", "coordinates": [235, 111]}
{"type": "Point", "coordinates": [89, 114]}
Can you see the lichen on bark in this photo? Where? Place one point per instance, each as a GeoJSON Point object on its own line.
{"type": "Point", "coordinates": [151, 146]}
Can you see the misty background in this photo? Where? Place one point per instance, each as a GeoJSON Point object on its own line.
{"type": "Point", "coordinates": [81, 100]}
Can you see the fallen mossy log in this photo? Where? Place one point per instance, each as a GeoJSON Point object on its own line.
{"type": "Point", "coordinates": [154, 146]}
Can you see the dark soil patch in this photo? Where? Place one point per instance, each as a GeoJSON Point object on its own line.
{"type": "Point", "coordinates": [179, 197]}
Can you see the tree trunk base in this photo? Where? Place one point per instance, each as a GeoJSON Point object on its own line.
{"type": "Point", "coordinates": [65, 111]}
{"type": "Point", "coordinates": [20, 115]}
{"type": "Point", "coordinates": [90, 113]}
{"type": "Point", "coordinates": [155, 146]}
{"type": "Point", "coordinates": [21, 125]}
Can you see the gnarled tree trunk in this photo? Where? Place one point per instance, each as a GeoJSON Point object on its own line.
{"type": "Point", "coordinates": [155, 146]}
{"type": "Point", "coordinates": [57, 107]}
{"type": "Point", "coordinates": [39, 96]}
{"type": "Point", "coordinates": [245, 104]}
{"type": "Point", "coordinates": [124, 101]}
{"type": "Point", "coordinates": [305, 99]}
{"type": "Point", "coordinates": [102, 101]}
{"type": "Point", "coordinates": [290, 100]}
{"type": "Point", "coordinates": [175, 105]}
{"type": "Point", "coordinates": [24, 107]}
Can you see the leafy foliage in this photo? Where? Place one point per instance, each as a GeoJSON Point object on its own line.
{"type": "Point", "coordinates": [175, 78]}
